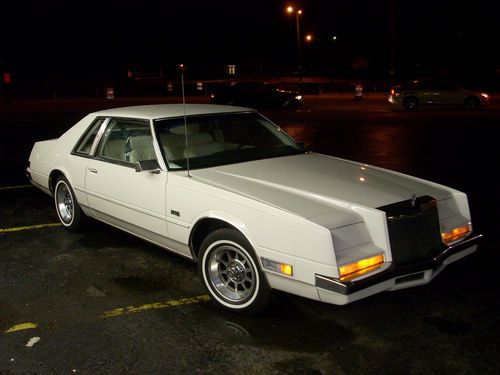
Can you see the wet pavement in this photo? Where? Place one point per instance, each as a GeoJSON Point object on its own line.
{"type": "Point", "coordinates": [104, 302]}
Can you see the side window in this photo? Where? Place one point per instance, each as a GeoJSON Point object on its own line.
{"type": "Point", "coordinates": [84, 145]}
{"type": "Point", "coordinates": [425, 85]}
{"type": "Point", "coordinates": [127, 140]}
{"type": "Point", "coordinates": [448, 86]}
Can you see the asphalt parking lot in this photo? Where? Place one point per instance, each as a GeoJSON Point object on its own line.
{"type": "Point", "coordinates": [104, 302]}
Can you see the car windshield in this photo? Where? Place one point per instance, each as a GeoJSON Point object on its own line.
{"type": "Point", "coordinates": [221, 139]}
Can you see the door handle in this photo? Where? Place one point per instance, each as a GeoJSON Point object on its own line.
{"type": "Point", "coordinates": [93, 170]}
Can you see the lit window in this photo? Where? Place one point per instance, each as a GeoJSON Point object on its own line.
{"type": "Point", "coordinates": [231, 70]}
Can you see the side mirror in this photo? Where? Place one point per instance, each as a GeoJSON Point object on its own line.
{"type": "Point", "coordinates": [148, 165]}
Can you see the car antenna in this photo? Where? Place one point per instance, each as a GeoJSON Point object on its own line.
{"type": "Point", "coordinates": [181, 67]}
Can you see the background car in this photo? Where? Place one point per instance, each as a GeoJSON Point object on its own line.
{"type": "Point", "coordinates": [258, 94]}
{"type": "Point", "coordinates": [427, 91]}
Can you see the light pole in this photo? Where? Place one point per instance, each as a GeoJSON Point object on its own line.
{"type": "Point", "coordinates": [298, 12]}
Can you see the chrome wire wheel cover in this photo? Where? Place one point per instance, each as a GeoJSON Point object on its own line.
{"type": "Point", "coordinates": [64, 203]}
{"type": "Point", "coordinates": [231, 273]}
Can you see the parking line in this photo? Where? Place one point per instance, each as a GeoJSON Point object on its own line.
{"type": "Point", "coordinates": [15, 187]}
{"type": "Point", "coordinates": [21, 327]}
{"type": "Point", "coordinates": [30, 227]}
{"type": "Point", "coordinates": [157, 305]}
{"type": "Point", "coordinates": [128, 310]}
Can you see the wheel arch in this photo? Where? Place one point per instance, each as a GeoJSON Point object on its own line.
{"type": "Point", "coordinates": [411, 95]}
{"type": "Point", "coordinates": [54, 175]}
{"type": "Point", "coordinates": [203, 227]}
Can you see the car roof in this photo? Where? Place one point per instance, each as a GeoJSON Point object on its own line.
{"type": "Point", "coordinates": [431, 80]}
{"type": "Point", "coordinates": [155, 111]}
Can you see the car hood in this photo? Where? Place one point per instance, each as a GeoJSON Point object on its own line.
{"type": "Point", "coordinates": [311, 185]}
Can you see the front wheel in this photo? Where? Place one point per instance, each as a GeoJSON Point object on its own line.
{"type": "Point", "coordinates": [68, 210]}
{"type": "Point", "coordinates": [471, 103]}
{"type": "Point", "coordinates": [230, 272]}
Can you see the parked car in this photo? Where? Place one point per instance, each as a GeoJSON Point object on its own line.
{"type": "Point", "coordinates": [229, 189]}
{"type": "Point", "coordinates": [257, 94]}
{"type": "Point", "coordinates": [426, 91]}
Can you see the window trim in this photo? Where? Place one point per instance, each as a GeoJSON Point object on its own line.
{"type": "Point", "coordinates": [165, 160]}
{"type": "Point", "coordinates": [98, 137]}
{"type": "Point", "coordinates": [80, 140]}
{"type": "Point", "coordinates": [123, 163]}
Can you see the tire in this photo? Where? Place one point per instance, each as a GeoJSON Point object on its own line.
{"type": "Point", "coordinates": [68, 210]}
{"type": "Point", "coordinates": [229, 269]}
{"type": "Point", "coordinates": [410, 103]}
{"type": "Point", "coordinates": [471, 102]}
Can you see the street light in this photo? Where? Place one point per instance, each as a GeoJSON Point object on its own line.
{"type": "Point", "coordinates": [298, 12]}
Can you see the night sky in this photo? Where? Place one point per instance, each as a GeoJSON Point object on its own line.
{"type": "Point", "coordinates": [56, 38]}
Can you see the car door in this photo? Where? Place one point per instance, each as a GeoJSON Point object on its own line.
{"type": "Point", "coordinates": [430, 92]}
{"type": "Point", "coordinates": [117, 194]}
{"type": "Point", "coordinates": [451, 94]}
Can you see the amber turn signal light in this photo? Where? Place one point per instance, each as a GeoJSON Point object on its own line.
{"type": "Point", "coordinates": [456, 233]}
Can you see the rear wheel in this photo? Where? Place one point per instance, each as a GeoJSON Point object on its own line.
{"type": "Point", "coordinates": [230, 272]}
{"type": "Point", "coordinates": [68, 210]}
{"type": "Point", "coordinates": [410, 103]}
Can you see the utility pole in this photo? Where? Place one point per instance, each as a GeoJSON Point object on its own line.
{"type": "Point", "coordinates": [392, 41]}
{"type": "Point", "coordinates": [298, 13]}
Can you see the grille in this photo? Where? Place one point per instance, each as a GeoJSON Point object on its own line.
{"type": "Point", "coordinates": [413, 230]}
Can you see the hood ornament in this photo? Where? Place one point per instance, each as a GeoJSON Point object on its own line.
{"type": "Point", "coordinates": [413, 200]}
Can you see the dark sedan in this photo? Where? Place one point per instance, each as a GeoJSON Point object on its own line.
{"type": "Point", "coordinates": [257, 94]}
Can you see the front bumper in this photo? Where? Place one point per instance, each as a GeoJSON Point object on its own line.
{"type": "Point", "coordinates": [333, 290]}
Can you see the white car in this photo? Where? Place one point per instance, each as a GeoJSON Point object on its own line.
{"type": "Point", "coordinates": [228, 188]}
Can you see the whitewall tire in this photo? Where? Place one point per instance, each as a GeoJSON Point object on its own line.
{"type": "Point", "coordinates": [230, 272]}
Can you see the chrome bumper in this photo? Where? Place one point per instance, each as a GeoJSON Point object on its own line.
{"type": "Point", "coordinates": [400, 274]}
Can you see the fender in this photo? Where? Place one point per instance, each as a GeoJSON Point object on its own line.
{"type": "Point", "coordinates": [223, 217]}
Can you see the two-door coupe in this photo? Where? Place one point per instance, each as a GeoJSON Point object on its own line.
{"type": "Point", "coordinates": [228, 188]}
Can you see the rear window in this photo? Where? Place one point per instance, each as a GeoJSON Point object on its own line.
{"type": "Point", "coordinates": [85, 143]}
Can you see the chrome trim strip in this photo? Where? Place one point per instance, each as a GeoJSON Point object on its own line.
{"type": "Point", "coordinates": [178, 222]}
{"type": "Point", "coordinates": [162, 241]}
{"type": "Point", "coordinates": [98, 137]}
{"type": "Point", "coordinates": [457, 246]}
{"type": "Point", "coordinates": [159, 156]}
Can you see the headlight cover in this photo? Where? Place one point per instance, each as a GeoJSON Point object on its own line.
{"type": "Point", "coordinates": [354, 269]}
